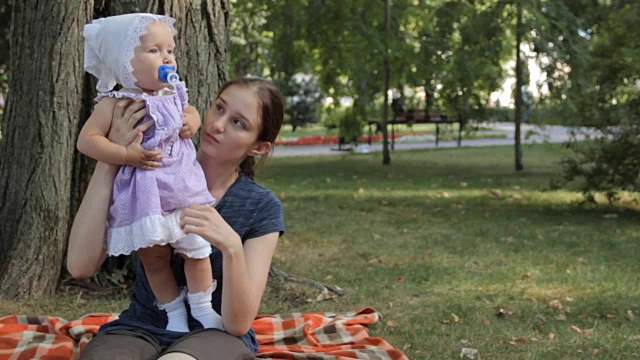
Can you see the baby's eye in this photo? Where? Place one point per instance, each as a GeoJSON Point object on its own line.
{"type": "Point", "coordinates": [218, 107]}
{"type": "Point", "coordinates": [238, 122]}
{"type": "Point", "coordinates": [153, 51]}
{"type": "Point", "coordinates": [170, 51]}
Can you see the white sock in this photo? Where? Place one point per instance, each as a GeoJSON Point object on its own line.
{"type": "Point", "coordinates": [176, 314]}
{"type": "Point", "coordinates": [202, 310]}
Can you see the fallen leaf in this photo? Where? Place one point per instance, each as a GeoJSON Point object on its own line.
{"type": "Point", "coordinates": [377, 260]}
{"type": "Point", "coordinates": [469, 353]}
{"type": "Point", "coordinates": [400, 279]}
{"type": "Point", "coordinates": [443, 194]}
{"type": "Point", "coordinates": [283, 195]}
{"type": "Point", "coordinates": [555, 304]}
{"type": "Point", "coordinates": [526, 276]}
{"type": "Point", "coordinates": [596, 352]}
{"type": "Point", "coordinates": [552, 336]}
{"type": "Point", "coordinates": [392, 323]}
{"type": "Point", "coordinates": [610, 216]}
{"type": "Point", "coordinates": [445, 322]}
{"type": "Point", "coordinates": [630, 315]}
{"type": "Point", "coordinates": [495, 192]}
{"type": "Point", "coordinates": [560, 317]}
{"type": "Point", "coordinates": [588, 332]}
{"type": "Point", "coordinates": [406, 346]}
{"type": "Point", "coordinates": [521, 339]}
{"type": "Point", "coordinates": [455, 318]}
{"type": "Point", "coordinates": [325, 295]}
{"type": "Point", "coordinates": [516, 197]}
{"type": "Point", "coordinates": [376, 236]}
{"type": "Point", "coordinates": [568, 299]}
{"type": "Point", "coordinates": [463, 184]}
{"type": "Point", "coordinates": [504, 311]}
{"type": "Point", "coordinates": [328, 277]}
{"type": "Point", "coordinates": [360, 191]}
{"type": "Point", "coordinates": [390, 304]}
{"type": "Point", "coordinates": [611, 315]}
{"type": "Point", "coordinates": [575, 329]}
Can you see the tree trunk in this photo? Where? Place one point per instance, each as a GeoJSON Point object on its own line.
{"type": "Point", "coordinates": [42, 177]}
{"type": "Point", "coordinates": [518, 114]}
{"type": "Point", "coordinates": [37, 150]}
{"type": "Point", "coordinates": [386, 157]}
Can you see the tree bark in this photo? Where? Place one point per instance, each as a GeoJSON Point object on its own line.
{"type": "Point", "coordinates": [37, 150]}
{"type": "Point", "coordinates": [386, 157]}
{"type": "Point", "coordinates": [519, 83]}
{"type": "Point", "coordinates": [42, 177]}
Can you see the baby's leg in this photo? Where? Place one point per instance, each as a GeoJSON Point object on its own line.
{"type": "Point", "coordinates": [157, 265]}
{"type": "Point", "coordinates": [197, 269]}
{"type": "Point", "coordinates": [201, 286]}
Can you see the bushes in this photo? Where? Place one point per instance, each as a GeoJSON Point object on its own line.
{"type": "Point", "coordinates": [607, 163]}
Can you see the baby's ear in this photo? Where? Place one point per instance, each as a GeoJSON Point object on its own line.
{"type": "Point", "coordinates": [260, 148]}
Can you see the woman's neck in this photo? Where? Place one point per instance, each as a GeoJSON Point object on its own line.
{"type": "Point", "coordinates": [219, 176]}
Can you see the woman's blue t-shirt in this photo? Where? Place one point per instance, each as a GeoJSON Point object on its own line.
{"type": "Point", "coordinates": [252, 211]}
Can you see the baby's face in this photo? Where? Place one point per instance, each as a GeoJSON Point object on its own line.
{"type": "Point", "coordinates": [156, 48]}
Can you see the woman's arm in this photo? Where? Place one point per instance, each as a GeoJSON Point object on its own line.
{"type": "Point", "coordinates": [245, 273]}
{"type": "Point", "coordinates": [86, 250]}
{"type": "Point", "coordinates": [245, 268]}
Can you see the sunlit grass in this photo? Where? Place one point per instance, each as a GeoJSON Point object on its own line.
{"type": "Point", "coordinates": [440, 241]}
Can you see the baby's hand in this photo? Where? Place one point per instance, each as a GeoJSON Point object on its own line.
{"type": "Point", "coordinates": [190, 121]}
{"type": "Point", "coordinates": [137, 156]}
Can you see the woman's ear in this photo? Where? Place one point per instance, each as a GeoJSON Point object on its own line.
{"type": "Point", "coordinates": [260, 148]}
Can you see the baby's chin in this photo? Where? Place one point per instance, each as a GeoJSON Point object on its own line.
{"type": "Point", "coordinates": [152, 87]}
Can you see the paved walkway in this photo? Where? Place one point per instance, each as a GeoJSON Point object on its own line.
{"type": "Point", "coordinates": [552, 134]}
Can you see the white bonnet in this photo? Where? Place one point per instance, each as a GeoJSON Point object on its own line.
{"type": "Point", "coordinates": [109, 45]}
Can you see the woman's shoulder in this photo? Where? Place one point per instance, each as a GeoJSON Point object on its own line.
{"type": "Point", "coordinates": [246, 188]}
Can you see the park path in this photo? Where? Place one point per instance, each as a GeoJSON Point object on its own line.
{"type": "Point", "coordinates": [551, 134]}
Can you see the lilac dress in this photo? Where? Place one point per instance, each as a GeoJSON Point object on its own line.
{"type": "Point", "coordinates": [147, 205]}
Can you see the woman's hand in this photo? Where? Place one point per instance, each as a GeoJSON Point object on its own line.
{"type": "Point", "coordinates": [205, 221]}
{"type": "Point", "coordinates": [126, 114]}
{"type": "Point", "coordinates": [191, 122]}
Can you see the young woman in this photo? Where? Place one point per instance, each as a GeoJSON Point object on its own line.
{"type": "Point", "coordinates": [243, 229]}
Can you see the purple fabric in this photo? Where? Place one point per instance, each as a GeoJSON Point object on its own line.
{"type": "Point", "coordinates": [180, 182]}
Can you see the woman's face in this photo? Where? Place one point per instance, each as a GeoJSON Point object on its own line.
{"type": "Point", "coordinates": [232, 125]}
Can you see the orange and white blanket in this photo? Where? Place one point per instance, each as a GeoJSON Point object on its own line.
{"type": "Point", "coordinates": [310, 335]}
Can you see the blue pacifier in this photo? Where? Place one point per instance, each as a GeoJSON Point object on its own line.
{"type": "Point", "coordinates": [168, 74]}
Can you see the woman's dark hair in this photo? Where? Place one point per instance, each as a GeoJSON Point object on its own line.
{"type": "Point", "coordinates": [271, 113]}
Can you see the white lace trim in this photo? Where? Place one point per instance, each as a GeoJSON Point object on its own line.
{"type": "Point", "coordinates": [146, 232]}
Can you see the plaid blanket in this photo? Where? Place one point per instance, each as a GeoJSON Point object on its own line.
{"type": "Point", "coordinates": [310, 335]}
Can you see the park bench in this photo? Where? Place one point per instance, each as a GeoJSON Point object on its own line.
{"type": "Point", "coordinates": [415, 116]}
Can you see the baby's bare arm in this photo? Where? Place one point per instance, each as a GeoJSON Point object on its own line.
{"type": "Point", "coordinates": [94, 143]}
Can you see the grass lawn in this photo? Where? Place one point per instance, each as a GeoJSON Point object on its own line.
{"type": "Point", "coordinates": [456, 250]}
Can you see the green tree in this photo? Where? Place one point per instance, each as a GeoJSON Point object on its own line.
{"type": "Point", "coordinates": [610, 101]}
